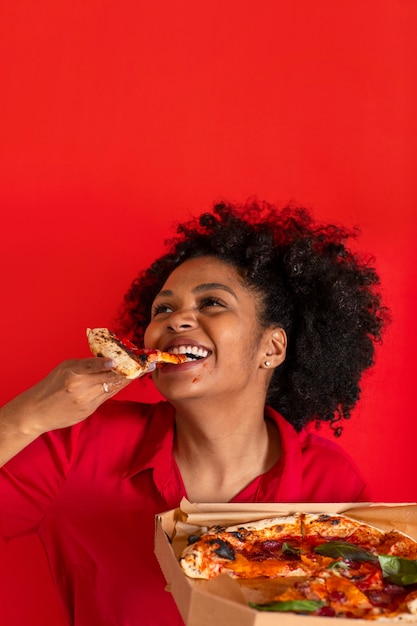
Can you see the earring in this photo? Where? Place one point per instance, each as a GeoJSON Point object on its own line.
{"type": "Point", "coordinates": [267, 363]}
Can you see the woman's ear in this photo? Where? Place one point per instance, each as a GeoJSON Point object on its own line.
{"type": "Point", "coordinates": [276, 348]}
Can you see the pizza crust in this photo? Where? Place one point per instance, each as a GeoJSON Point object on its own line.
{"type": "Point", "coordinates": [342, 526]}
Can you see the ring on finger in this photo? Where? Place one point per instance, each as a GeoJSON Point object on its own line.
{"type": "Point", "coordinates": [106, 388]}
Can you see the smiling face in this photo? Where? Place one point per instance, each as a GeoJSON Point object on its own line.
{"type": "Point", "coordinates": [205, 310]}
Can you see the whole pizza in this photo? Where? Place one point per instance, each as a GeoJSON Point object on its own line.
{"type": "Point", "coordinates": [318, 564]}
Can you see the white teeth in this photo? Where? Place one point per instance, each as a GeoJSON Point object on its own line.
{"type": "Point", "coordinates": [195, 350]}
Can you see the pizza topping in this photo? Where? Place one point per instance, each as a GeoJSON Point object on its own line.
{"type": "Point", "coordinates": [297, 606]}
{"type": "Point", "coordinates": [290, 551]}
{"type": "Point", "coordinates": [192, 539]}
{"type": "Point", "coordinates": [380, 597]}
{"type": "Point", "coordinates": [397, 570]}
{"type": "Point", "coordinates": [224, 549]}
{"type": "Point", "coordinates": [143, 356]}
{"type": "Point", "coordinates": [345, 550]}
{"type": "Point", "coordinates": [129, 345]}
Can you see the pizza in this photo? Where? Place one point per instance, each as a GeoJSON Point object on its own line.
{"type": "Point", "coordinates": [319, 564]}
{"type": "Point", "coordinates": [130, 361]}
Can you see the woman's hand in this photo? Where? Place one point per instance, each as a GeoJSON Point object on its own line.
{"type": "Point", "coordinates": [66, 396]}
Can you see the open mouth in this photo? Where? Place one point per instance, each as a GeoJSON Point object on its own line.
{"type": "Point", "coordinates": [193, 353]}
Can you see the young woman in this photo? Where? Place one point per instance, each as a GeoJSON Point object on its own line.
{"type": "Point", "coordinates": [279, 318]}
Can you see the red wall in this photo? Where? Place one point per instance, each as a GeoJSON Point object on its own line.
{"type": "Point", "coordinates": [117, 118]}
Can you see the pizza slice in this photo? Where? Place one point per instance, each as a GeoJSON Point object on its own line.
{"type": "Point", "coordinates": [317, 527]}
{"type": "Point", "coordinates": [131, 362]}
{"type": "Point", "coordinates": [267, 548]}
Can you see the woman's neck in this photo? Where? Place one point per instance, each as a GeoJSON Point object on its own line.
{"type": "Point", "coordinates": [219, 453]}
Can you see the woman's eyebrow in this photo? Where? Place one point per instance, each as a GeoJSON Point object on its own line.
{"type": "Point", "coordinates": [167, 293]}
{"type": "Point", "coordinates": [209, 286]}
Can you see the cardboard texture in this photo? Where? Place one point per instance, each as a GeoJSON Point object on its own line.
{"type": "Point", "coordinates": [220, 602]}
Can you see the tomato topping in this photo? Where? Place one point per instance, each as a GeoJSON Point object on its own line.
{"type": "Point", "coordinates": [131, 346]}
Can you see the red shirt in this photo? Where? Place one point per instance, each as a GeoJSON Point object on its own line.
{"type": "Point", "coordinates": [91, 493]}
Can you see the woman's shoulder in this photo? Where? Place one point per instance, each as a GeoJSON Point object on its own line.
{"type": "Point", "coordinates": [314, 442]}
{"type": "Point", "coordinates": [307, 442]}
{"type": "Point", "coordinates": [329, 465]}
{"type": "Point", "coordinates": [327, 471]}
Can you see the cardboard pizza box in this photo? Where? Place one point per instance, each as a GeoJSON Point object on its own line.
{"type": "Point", "coordinates": [220, 602]}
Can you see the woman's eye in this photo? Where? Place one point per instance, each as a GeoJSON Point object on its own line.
{"type": "Point", "coordinates": [161, 308]}
{"type": "Point", "coordinates": [207, 302]}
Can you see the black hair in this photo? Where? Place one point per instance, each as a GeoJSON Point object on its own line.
{"type": "Point", "coordinates": [323, 295]}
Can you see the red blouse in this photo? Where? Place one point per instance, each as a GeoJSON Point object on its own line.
{"type": "Point", "coordinates": [91, 493]}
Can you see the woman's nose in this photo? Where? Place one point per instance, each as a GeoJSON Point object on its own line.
{"type": "Point", "coordinates": [181, 320]}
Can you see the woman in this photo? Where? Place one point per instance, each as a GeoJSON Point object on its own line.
{"type": "Point", "coordinates": [279, 320]}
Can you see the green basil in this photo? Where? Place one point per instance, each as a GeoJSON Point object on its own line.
{"type": "Point", "coordinates": [287, 548]}
{"type": "Point", "coordinates": [299, 606]}
{"type": "Point", "coordinates": [338, 565]}
{"type": "Point", "coordinates": [344, 550]}
{"type": "Point", "coordinates": [398, 570]}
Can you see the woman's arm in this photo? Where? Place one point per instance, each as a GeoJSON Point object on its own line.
{"type": "Point", "coordinates": [68, 395]}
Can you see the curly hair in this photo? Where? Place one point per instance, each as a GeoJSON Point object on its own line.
{"type": "Point", "coordinates": [322, 294]}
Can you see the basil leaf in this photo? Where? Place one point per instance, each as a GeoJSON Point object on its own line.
{"type": "Point", "coordinates": [344, 550]}
{"type": "Point", "coordinates": [398, 570]}
{"type": "Point", "coordinates": [338, 565]}
{"type": "Point", "coordinates": [287, 548]}
{"type": "Point", "coordinates": [299, 606]}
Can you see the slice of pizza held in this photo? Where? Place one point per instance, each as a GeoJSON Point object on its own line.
{"type": "Point", "coordinates": [130, 361]}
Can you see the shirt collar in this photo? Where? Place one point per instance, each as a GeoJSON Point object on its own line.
{"type": "Point", "coordinates": [155, 449]}
{"type": "Point", "coordinates": [288, 470]}
{"type": "Point", "coordinates": [280, 484]}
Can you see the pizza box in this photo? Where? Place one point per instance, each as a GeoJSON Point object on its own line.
{"type": "Point", "coordinates": [220, 602]}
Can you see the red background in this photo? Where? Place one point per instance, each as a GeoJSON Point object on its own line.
{"type": "Point", "coordinates": [118, 118]}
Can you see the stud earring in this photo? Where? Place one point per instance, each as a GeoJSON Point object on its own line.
{"type": "Point", "coordinates": [267, 363]}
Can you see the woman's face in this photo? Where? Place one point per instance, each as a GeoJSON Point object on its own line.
{"type": "Point", "coordinates": [204, 309]}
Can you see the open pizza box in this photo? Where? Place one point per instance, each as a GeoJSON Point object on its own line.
{"type": "Point", "coordinates": [221, 601]}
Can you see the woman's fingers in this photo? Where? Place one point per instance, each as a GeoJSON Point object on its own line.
{"type": "Point", "coordinates": [69, 394]}
{"type": "Point", "coordinates": [100, 372]}
{"type": "Point", "coordinates": [90, 365]}
{"type": "Point", "coordinates": [91, 380]}
{"type": "Point", "coordinates": [111, 384]}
